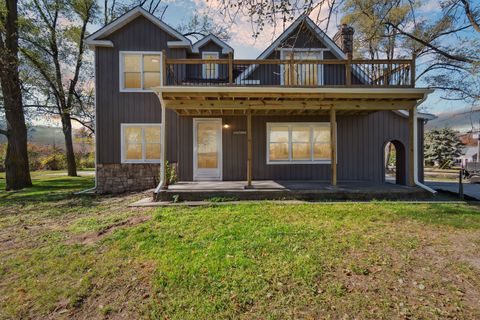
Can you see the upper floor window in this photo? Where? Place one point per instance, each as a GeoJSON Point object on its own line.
{"type": "Point", "coordinates": [210, 70]}
{"type": "Point", "coordinates": [139, 71]}
{"type": "Point", "coordinates": [305, 74]}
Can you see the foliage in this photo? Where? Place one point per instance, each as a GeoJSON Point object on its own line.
{"type": "Point", "coordinates": [54, 161]}
{"type": "Point", "coordinates": [171, 173]}
{"type": "Point", "coordinates": [199, 26]}
{"type": "Point", "coordinates": [442, 146]}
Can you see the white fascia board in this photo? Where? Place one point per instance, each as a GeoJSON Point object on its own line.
{"type": "Point", "coordinates": [225, 47]}
{"type": "Point", "coordinates": [99, 43]}
{"type": "Point", "coordinates": [131, 15]}
{"type": "Point", "coordinates": [178, 44]}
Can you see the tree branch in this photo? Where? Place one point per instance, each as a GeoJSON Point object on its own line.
{"type": "Point", "coordinates": [4, 132]}
{"type": "Point", "coordinates": [470, 16]}
{"type": "Point", "coordinates": [434, 48]}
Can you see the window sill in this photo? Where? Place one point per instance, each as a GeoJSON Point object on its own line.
{"type": "Point", "coordinates": [141, 162]}
{"type": "Point", "coordinates": [136, 91]}
{"type": "Point", "coordinates": [299, 162]}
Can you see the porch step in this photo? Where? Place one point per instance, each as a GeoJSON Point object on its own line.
{"type": "Point", "coordinates": [332, 194]}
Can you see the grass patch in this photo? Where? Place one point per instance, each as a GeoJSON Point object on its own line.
{"type": "Point", "coordinates": [254, 260]}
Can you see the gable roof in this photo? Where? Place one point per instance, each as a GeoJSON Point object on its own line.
{"type": "Point", "coordinates": [322, 36]}
{"type": "Point", "coordinates": [93, 39]}
{"type": "Point", "coordinates": [200, 43]}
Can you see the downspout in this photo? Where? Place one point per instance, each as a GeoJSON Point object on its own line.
{"type": "Point", "coordinates": [415, 148]}
{"type": "Point", "coordinates": [161, 184]}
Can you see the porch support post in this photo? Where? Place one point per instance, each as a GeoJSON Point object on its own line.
{"type": "Point", "coordinates": [411, 146]}
{"type": "Point", "coordinates": [249, 150]}
{"type": "Point", "coordinates": [333, 146]}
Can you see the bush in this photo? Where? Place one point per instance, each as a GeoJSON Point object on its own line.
{"type": "Point", "coordinates": [86, 161]}
{"type": "Point", "coordinates": [3, 153]}
{"type": "Point", "coordinates": [54, 161]}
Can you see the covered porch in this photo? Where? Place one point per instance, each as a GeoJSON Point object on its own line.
{"type": "Point", "coordinates": [330, 103]}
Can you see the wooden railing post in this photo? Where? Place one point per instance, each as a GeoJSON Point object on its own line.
{"type": "Point", "coordinates": [413, 73]}
{"type": "Point", "coordinates": [348, 70]}
{"type": "Point", "coordinates": [230, 68]}
{"type": "Point", "coordinates": [164, 67]}
{"type": "Point", "coordinates": [291, 71]}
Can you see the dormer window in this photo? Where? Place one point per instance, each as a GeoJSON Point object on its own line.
{"type": "Point", "coordinates": [139, 71]}
{"type": "Point", "coordinates": [305, 74]}
{"type": "Point", "coordinates": [210, 70]}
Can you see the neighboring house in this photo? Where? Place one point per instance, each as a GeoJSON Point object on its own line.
{"type": "Point", "coordinates": [302, 111]}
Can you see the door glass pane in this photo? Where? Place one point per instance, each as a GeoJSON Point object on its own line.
{"type": "Point", "coordinates": [301, 151]}
{"type": "Point", "coordinates": [151, 63]}
{"type": "Point", "coordinates": [132, 80]}
{"type": "Point", "coordinates": [278, 133]}
{"type": "Point", "coordinates": [152, 151]}
{"type": "Point", "coordinates": [151, 80]}
{"type": "Point", "coordinates": [300, 134]}
{"type": "Point", "coordinates": [133, 134]}
{"type": "Point", "coordinates": [152, 134]}
{"type": "Point", "coordinates": [278, 151]}
{"type": "Point", "coordinates": [207, 145]}
{"type": "Point", "coordinates": [321, 140]}
{"type": "Point", "coordinates": [132, 63]}
{"type": "Point", "coordinates": [133, 151]}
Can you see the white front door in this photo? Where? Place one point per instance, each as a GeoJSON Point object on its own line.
{"type": "Point", "coordinates": [207, 149]}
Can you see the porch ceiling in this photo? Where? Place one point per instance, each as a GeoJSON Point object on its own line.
{"type": "Point", "coordinates": [286, 101]}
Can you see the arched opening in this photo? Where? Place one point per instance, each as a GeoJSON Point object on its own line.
{"type": "Point", "coordinates": [394, 162]}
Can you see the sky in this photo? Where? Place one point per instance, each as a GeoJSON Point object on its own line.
{"type": "Point", "coordinates": [248, 47]}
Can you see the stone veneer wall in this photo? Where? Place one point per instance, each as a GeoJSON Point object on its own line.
{"type": "Point", "coordinates": [118, 178]}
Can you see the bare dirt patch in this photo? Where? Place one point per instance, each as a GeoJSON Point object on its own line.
{"type": "Point", "coordinates": [89, 238]}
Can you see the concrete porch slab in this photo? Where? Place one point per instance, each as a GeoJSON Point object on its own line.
{"type": "Point", "coordinates": [290, 190]}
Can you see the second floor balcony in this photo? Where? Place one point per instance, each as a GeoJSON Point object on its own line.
{"type": "Point", "coordinates": [348, 73]}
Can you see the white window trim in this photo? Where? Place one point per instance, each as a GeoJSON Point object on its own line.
{"type": "Point", "coordinates": [122, 74]}
{"type": "Point", "coordinates": [122, 143]}
{"type": "Point", "coordinates": [320, 69]}
{"type": "Point", "coordinates": [291, 161]}
{"type": "Point", "coordinates": [204, 66]}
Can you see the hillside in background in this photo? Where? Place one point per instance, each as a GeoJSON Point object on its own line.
{"type": "Point", "coordinates": [43, 135]}
{"type": "Point", "coordinates": [462, 120]}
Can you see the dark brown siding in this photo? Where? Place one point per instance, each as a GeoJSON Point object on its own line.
{"type": "Point", "coordinates": [361, 142]}
{"type": "Point", "coordinates": [113, 107]}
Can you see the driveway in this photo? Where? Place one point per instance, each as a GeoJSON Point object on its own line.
{"type": "Point", "coordinates": [471, 190]}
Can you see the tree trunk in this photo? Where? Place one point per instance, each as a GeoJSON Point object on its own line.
{"type": "Point", "coordinates": [67, 132]}
{"type": "Point", "coordinates": [16, 162]}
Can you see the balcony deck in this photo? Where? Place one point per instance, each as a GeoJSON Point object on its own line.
{"type": "Point", "coordinates": [399, 73]}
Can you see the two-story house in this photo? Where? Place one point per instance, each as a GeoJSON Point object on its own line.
{"type": "Point", "coordinates": [304, 110]}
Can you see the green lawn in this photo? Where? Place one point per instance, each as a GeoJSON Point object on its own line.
{"type": "Point", "coordinates": [66, 256]}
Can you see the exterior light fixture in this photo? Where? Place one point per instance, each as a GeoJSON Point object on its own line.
{"type": "Point", "coordinates": [226, 126]}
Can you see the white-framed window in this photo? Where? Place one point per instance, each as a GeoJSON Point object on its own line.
{"type": "Point", "coordinates": [140, 71]}
{"type": "Point", "coordinates": [303, 74]}
{"type": "Point", "coordinates": [210, 70]}
{"type": "Point", "coordinates": [141, 142]}
{"type": "Point", "coordinates": [298, 142]}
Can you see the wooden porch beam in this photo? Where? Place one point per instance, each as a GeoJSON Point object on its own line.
{"type": "Point", "coordinates": [282, 105]}
{"type": "Point", "coordinates": [333, 146]}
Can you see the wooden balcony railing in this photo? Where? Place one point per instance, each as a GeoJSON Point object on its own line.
{"type": "Point", "coordinates": [398, 73]}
